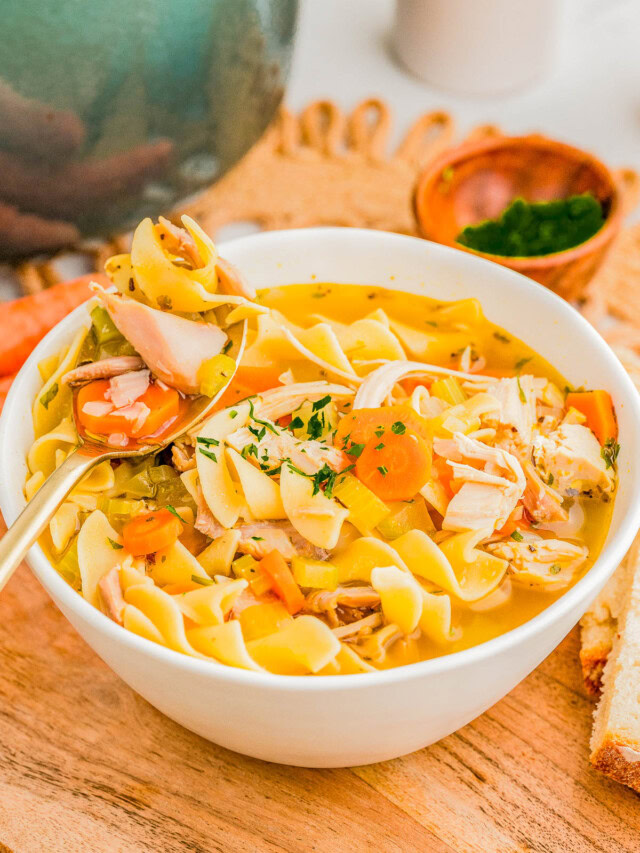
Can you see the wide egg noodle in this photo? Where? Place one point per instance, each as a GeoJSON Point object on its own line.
{"type": "Point", "coordinates": [304, 645]}
{"type": "Point", "coordinates": [316, 517]}
{"type": "Point", "coordinates": [161, 609]}
{"type": "Point", "coordinates": [176, 565]}
{"type": "Point", "coordinates": [54, 400]}
{"type": "Point", "coordinates": [261, 493]}
{"type": "Point", "coordinates": [224, 643]}
{"type": "Point", "coordinates": [400, 596]}
{"type": "Point", "coordinates": [99, 550]}
{"type": "Point", "coordinates": [360, 557]}
{"type": "Point", "coordinates": [209, 605]}
{"type": "Point", "coordinates": [42, 453]}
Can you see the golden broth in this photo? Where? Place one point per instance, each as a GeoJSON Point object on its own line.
{"type": "Point", "coordinates": [304, 304]}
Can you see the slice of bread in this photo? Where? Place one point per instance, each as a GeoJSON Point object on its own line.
{"type": "Point", "coordinates": [615, 739]}
{"type": "Point", "coordinates": [600, 623]}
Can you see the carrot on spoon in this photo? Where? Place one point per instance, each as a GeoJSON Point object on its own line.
{"type": "Point", "coordinates": [98, 415]}
{"type": "Point", "coordinates": [25, 321]}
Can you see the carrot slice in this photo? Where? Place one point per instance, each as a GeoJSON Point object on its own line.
{"type": "Point", "coordinates": [409, 385]}
{"type": "Point", "coordinates": [150, 532]}
{"type": "Point", "coordinates": [247, 382]}
{"type": "Point", "coordinates": [163, 405]}
{"type": "Point", "coordinates": [360, 426]}
{"type": "Point", "coordinates": [284, 585]}
{"type": "Point", "coordinates": [24, 322]}
{"type": "Point", "coordinates": [395, 467]}
{"type": "Point", "coordinates": [598, 409]}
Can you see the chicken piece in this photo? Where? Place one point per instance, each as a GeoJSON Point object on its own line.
{"type": "Point", "coordinates": [374, 647]}
{"type": "Point", "coordinates": [247, 598]}
{"type": "Point", "coordinates": [265, 540]}
{"type": "Point", "coordinates": [126, 388]}
{"type": "Point", "coordinates": [284, 399]}
{"type": "Point", "coordinates": [332, 604]}
{"type": "Point", "coordinates": [111, 595]}
{"type": "Point", "coordinates": [570, 459]}
{"type": "Point", "coordinates": [489, 494]}
{"type": "Point", "coordinates": [540, 562]}
{"type": "Point", "coordinates": [172, 347]}
{"type": "Point", "coordinates": [183, 455]}
{"type": "Point", "coordinates": [231, 281]}
{"type": "Point", "coordinates": [541, 501]}
{"type": "Point", "coordinates": [378, 384]}
{"type": "Point", "coordinates": [359, 629]}
{"type": "Point", "coordinates": [178, 242]}
{"type": "Point", "coordinates": [104, 369]}
{"type": "Point", "coordinates": [517, 412]}
{"type": "Point", "coordinates": [274, 447]}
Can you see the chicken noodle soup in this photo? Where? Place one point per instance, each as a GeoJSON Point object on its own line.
{"type": "Point", "coordinates": [387, 478]}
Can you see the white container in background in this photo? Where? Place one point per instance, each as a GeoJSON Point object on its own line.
{"type": "Point", "coordinates": [478, 47]}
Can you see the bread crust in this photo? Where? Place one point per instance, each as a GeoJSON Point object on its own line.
{"type": "Point", "coordinates": [610, 760]}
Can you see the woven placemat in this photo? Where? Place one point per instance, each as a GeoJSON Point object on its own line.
{"type": "Point", "coordinates": [323, 167]}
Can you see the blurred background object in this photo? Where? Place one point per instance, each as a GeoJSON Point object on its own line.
{"type": "Point", "coordinates": [113, 111]}
{"type": "Point", "coordinates": [483, 47]}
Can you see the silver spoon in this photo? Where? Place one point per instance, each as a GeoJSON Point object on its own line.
{"type": "Point", "coordinates": [90, 452]}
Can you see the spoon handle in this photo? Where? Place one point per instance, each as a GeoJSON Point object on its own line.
{"type": "Point", "coordinates": [38, 512]}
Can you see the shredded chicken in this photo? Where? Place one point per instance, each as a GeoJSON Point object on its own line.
{"type": "Point", "coordinates": [540, 561]}
{"type": "Point", "coordinates": [183, 455]}
{"type": "Point", "coordinates": [359, 629]}
{"type": "Point", "coordinates": [231, 280]}
{"type": "Point", "coordinates": [177, 241]}
{"type": "Point", "coordinates": [517, 411]}
{"type": "Point", "coordinates": [374, 647]}
{"type": "Point", "coordinates": [337, 605]}
{"type": "Point", "coordinates": [541, 501]}
{"type": "Point", "coordinates": [111, 594]}
{"type": "Point", "coordinates": [571, 457]}
{"type": "Point", "coordinates": [489, 495]}
{"type": "Point", "coordinates": [104, 369]}
{"type": "Point", "coordinates": [284, 399]}
{"type": "Point", "coordinates": [126, 388]}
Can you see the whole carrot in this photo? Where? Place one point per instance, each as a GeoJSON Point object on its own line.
{"type": "Point", "coordinates": [24, 322]}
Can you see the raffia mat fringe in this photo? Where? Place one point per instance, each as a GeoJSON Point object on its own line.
{"type": "Point", "coordinates": [326, 168]}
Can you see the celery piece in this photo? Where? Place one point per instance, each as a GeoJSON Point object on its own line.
{"type": "Point", "coordinates": [366, 510]}
{"type": "Point", "coordinates": [88, 350]}
{"type": "Point", "coordinates": [116, 347]}
{"type": "Point", "coordinates": [449, 390]}
{"type": "Point", "coordinates": [314, 420]}
{"type": "Point", "coordinates": [68, 566]}
{"type": "Point", "coordinates": [260, 620]}
{"type": "Point", "coordinates": [162, 473]}
{"type": "Point", "coordinates": [119, 506]}
{"type": "Point", "coordinates": [214, 373]}
{"type": "Point", "coordinates": [174, 492]}
{"type": "Point", "coordinates": [314, 574]}
{"type": "Point", "coordinates": [104, 329]}
{"type": "Point", "coordinates": [217, 557]}
{"type": "Point", "coordinates": [405, 516]}
{"type": "Point", "coordinates": [244, 567]}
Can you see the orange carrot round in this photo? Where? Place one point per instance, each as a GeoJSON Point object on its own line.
{"type": "Point", "coordinates": [360, 426]}
{"type": "Point", "coordinates": [395, 467]}
{"type": "Point", "coordinates": [24, 322]}
{"type": "Point", "coordinates": [284, 585]}
{"type": "Point", "coordinates": [150, 532]}
{"type": "Point", "coordinates": [247, 382]}
{"type": "Point", "coordinates": [163, 405]}
{"type": "Point", "coordinates": [597, 407]}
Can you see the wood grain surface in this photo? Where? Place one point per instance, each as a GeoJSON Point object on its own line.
{"type": "Point", "coordinates": [87, 765]}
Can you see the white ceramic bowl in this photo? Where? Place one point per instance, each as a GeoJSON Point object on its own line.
{"type": "Point", "coordinates": [354, 719]}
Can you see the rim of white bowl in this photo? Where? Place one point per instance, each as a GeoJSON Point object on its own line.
{"type": "Point", "coordinates": [613, 552]}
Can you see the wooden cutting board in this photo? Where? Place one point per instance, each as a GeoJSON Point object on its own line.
{"type": "Point", "coordinates": [87, 765]}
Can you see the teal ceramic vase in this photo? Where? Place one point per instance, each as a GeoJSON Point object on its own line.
{"type": "Point", "coordinates": [115, 110]}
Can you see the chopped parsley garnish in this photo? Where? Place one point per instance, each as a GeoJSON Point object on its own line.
{"type": "Point", "coordinates": [266, 424]}
{"type": "Point", "coordinates": [521, 393]}
{"type": "Point", "coordinates": [550, 480]}
{"type": "Point", "coordinates": [379, 432]}
{"type": "Point", "coordinates": [233, 414]}
{"type": "Point", "coordinates": [164, 302]}
{"type": "Point", "coordinates": [320, 404]}
{"type": "Point", "coordinates": [398, 428]}
{"type": "Point", "coordinates": [208, 442]}
{"type": "Point", "coordinates": [383, 470]}
{"type": "Point", "coordinates": [175, 512]}
{"type": "Point", "coordinates": [315, 426]}
{"type": "Point", "coordinates": [610, 452]}
{"type": "Point", "coordinates": [258, 538]}
{"type": "Point", "coordinates": [259, 433]}
{"type": "Point", "coordinates": [249, 450]}
{"type": "Point", "coordinates": [114, 545]}
{"type": "Point", "coordinates": [354, 450]}
{"type": "Point", "coordinates": [296, 423]}
{"type": "Point", "coordinates": [209, 454]}
{"type": "Point", "coordinates": [555, 569]}
{"type": "Point", "coordinates": [227, 346]}
{"type": "Point", "coordinates": [517, 536]}
{"type": "Point", "coordinates": [431, 323]}
{"type": "Point", "coordinates": [520, 363]}
{"type": "Point", "coordinates": [379, 446]}
{"type": "Point", "coordinates": [49, 396]}
{"type": "Point", "coordinates": [274, 472]}
{"type": "Point", "coordinates": [201, 581]}
{"type": "Point", "coordinates": [500, 337]}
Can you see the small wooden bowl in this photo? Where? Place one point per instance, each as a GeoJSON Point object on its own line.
{"type": "Point", "coordinates": [478, 180]}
